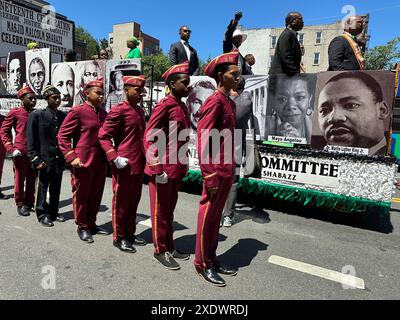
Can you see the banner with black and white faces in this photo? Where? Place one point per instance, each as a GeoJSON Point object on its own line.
{"type": "Point", "coordinates": [38, 69]}
{"type": "Point", "coordinates": [353, 112]}
{"type": "Point", "coordinates": [362, 179]}
{"type": "Point", "coordinates": [63, 78]}
{"type": "Point", "coordinates": [23, 22]}
{"type": "Point", "coordinates": [201, 88]}
{"type": "Point", "coordinates": [114, 85]}
{"type": "Point", "coordinates": [86, 71]}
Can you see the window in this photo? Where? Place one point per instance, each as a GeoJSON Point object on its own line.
{"type": "Point", "coordinates": [318, 37]}
{"type": "Point", "coordinates": [273, 42]}
{"type": "Point", "coordinates": [301, 38]}
{"type": "Point", "coordinates": [111, 40]}
{"type": "Point", "coordinates": [317, 55]}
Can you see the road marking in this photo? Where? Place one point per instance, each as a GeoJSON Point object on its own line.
{"type": "Point", "coordinates": [327, 274]}
{"type": "Point", "coordinates": [146, 223]}
{"type": "Point", "coordinates": [396, 200]}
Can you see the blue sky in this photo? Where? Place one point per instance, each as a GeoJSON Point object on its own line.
{"type": "Point", "coordinates": [208, 18]}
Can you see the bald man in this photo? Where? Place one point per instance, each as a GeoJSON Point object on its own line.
{"type": "Point", "coordinates": [344, 51]}
{"type": "Point", "coordinates": [64, 80]}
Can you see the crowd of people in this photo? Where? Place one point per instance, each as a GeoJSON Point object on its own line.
{"type": "Point", "coordinates": [86, 138]}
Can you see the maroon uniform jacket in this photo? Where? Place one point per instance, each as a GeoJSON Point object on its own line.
{"type": "Point", "coordinates": [125, 125]}
{"type": "Point", "coordinates": [218, 112]}
{"type": "Point", "coordinates": [169, 117]}
{"type": "Point", "coordinates": [82, 124]}
{"type": "Point", "coordinates": [2, 149]}
{"type": "Point", "coordinates": [18, 119]}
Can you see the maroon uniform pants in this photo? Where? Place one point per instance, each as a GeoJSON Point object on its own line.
{"type": "Point", "coordinates": [2, 158]}
{"type": "Point", "coordinates": [127, 189]}
{"type": "Point", "coordinates": [208, 224]}
{"type": "Point", "coordinates": [163, 199]}
{"type": "Point", "coordinates": [24, 182]}
{"type": "Point", "coordinates": [87, 192]}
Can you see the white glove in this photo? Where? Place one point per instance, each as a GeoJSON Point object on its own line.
{"type": "Point", "coordinates": [121, 162]}
{"type": "Point", "coordinates": [162, 179]}
{"type": "Point", "coordinates": [16, 153]}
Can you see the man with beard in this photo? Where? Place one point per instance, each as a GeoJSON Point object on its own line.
{"type": "Point", "coordinates": [37, 74]}
{"type": "Point", "coordinates": [198, 94]}
{"type": "Point", "coordinates": [352, 112]}
{"type": "Point", "coordinates": [64, 80]}
{"type": "Point", "coordinates": [14, 76]}
{"type": "Point", "coordinates": [89, 71]}
{"type": "Point", "coordinates": [344, 51]}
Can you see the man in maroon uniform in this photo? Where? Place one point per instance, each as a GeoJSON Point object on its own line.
{"type": "Point", "coordinates": [165, 168]}
{"type": "Point", "coordinates": [125, 125]}
{"type": "Point", "coordinates": [17, 119]}
{"type": "Point", "coordinates": [218, 170]}
{"type": "Point", "coordinates": [87, 159]}
{"type": "Point", "coordinates": [3, 152]}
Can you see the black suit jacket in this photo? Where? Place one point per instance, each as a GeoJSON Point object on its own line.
{"type": "Point", "coordinates": [177, 55]}
{"type": "Point", "coordinates": [287, 56]}
{"type": "Point", "coordinates": [341, 55]}
{"type": "Point", "coordinates": [42, 131]}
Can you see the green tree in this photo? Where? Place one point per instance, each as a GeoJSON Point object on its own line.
{"type": "Point", "coordinates": [383, 57]}
{"type": "Point", "coordinates": [160, 63]}
{"type": "Point", "coordinates": [92, 45]}
{"type": "Point", "coordinates": [203, 64]}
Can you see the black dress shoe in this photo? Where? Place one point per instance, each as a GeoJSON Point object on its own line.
{"type": "Point", "coordinates": [60, 218]}
{"type": "Point", "coordinates": [179, 255]}
{"type": "Point", "coordinates": [46, 222]}
{"type": "Point", "coordinates": [211, 276]}
{"type": "Point", "coordinates": [137, 241]}
{"type": "Point", "coordinates": [124, 245]}
{"type": "Point", "coordinates": [228, 271]}
{"type": "Point", "coordinates": [85, 235]}
{"type": "Point", "coordinates": [100, 231]}
{"type": "Point", "coordinates": [23, 211]}
{"type": "Point", "coordinates": [31, 208]}
{"type": "Point", "coordinates": [4, 197]}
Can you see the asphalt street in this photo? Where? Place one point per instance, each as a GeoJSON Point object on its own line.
{"type": "Point", "coordinates": [369, 248]}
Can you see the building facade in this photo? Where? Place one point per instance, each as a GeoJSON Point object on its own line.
{"type": "Point", "coordinates": [123, 31]}
{"type": "Point", "coordinates": [315, 39]}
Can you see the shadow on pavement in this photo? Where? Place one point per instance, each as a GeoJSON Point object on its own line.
{"type": "Point", "coordinates": [242, 254]}
{"type": "Point", "coordinates": [372, 219]}
{"type": "Point", "coordinates": [188, 243]}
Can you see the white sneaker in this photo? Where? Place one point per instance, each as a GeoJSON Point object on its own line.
{"type": "Point", "coordinates": [228, 221]}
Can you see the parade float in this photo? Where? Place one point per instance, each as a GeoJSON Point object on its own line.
{"type": "Point", "coordinates": [319, 140]}
{"type": "Point", "coordinates": [295, 150]}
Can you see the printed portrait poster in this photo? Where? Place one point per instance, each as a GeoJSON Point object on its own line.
{"type": "Point", "coordinates": [290, 108]}
{"type": "Point", "coordinates": [201, 88]}
{"type": "Point", "coordinates": [353, 112]}
{"type": "Point", "coordinates": [15, 73]}
{"type": "Point", "coordinates": [63, 78]}
{"type": "Point", "coordinates": [38, 69]}
{"type": "Point", "coordinates": [258, 88]}
{"type": "Point", "coordinates": [86, 71]}
{"type": "Point", "coordinates": [114, 85]}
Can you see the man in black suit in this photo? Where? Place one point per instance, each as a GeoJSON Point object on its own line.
{"type": "Point", "coordinates": [46, 157]}
{"type": "Point", "coordinates": [287, 57]}
{"type": "Point", "coordinates": [344, 52]}
{"type": "Point", "coordinates": [182, 51]}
